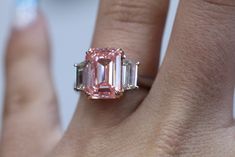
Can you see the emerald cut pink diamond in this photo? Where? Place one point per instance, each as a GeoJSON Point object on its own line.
{"type": "Point", "coordinates": [103, 73]}
{"type": "Point", "coordinates": [106, 74]}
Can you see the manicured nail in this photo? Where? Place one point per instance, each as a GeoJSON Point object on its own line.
{"type": "Point", "coordinates": [26, 13]}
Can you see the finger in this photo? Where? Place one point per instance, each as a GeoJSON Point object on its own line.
{"type": "Point", "coordinates": [136, 27]}
{"type": "Point", "coordinates": [31, 123]}
{"type": "Point", "coordinates": [196, 81]}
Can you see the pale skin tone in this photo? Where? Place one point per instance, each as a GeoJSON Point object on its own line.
{"type": "Point", "coordinates": [182, 110]}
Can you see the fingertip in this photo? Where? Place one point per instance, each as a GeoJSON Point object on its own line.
{"type": "Point", "coordinates": [33, 40]}
{"type": "Point", "coordinates": [26, 13]}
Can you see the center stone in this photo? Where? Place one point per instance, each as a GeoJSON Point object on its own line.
{"type": "Point", "coordinates": [104, 73]}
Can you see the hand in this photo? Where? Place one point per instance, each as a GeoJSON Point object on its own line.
{"type": "Point", "coordinates": [184, 110]}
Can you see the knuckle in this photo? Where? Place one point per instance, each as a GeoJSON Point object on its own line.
{"type": "Point", "coordinates": [23, 100]}
{"type": "Point", "coordinates": [170, 139]}
{"type": "Point", "coordinates": [137, 12]}
{"type": "Point", "coordinates": [16, 104]}
{"type": "Point", "coordinates": [217, 7]}
{"type": "Point", "coordinates": [225, 3]}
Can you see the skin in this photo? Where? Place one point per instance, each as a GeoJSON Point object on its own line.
{"type": "Point", "coordinates": [182, 110]}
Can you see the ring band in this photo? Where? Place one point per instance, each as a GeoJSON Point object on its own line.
{"type": "Point", "coordinates": [106, 74]}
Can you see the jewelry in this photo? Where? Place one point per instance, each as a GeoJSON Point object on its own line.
{"type": "Point", "coordinates": [106, 74]}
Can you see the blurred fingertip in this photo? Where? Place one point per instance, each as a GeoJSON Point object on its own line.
{"type": "Point", "coordinates": [26, 13]}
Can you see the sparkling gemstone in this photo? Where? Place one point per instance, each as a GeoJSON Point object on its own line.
{"type": "Point", "coordinates": [103, 72]}
{"type": "Point", "coordinates": [129, 74]}
{"type": "Point", "coordinates": [80, 80]}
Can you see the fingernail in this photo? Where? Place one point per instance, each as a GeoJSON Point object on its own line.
{"type": "Point", "coordinates": [26, 13]}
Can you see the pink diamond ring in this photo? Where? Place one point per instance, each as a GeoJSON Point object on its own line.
{"type": "Point", "coordinates": [106, 74]}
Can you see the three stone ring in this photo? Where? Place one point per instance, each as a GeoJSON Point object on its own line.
{"type": "Point", "coordinates": [106, 74]}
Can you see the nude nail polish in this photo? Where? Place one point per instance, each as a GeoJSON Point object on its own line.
{"type": "Point", "coordinates": [26, 13]}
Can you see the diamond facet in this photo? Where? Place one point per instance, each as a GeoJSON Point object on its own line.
{"type": "Point", "coordinates": [129, 74]}
{"type": "Point", "coordinates": [79, 85]}
{"type": "Point", "coordinates": [104, 71]}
